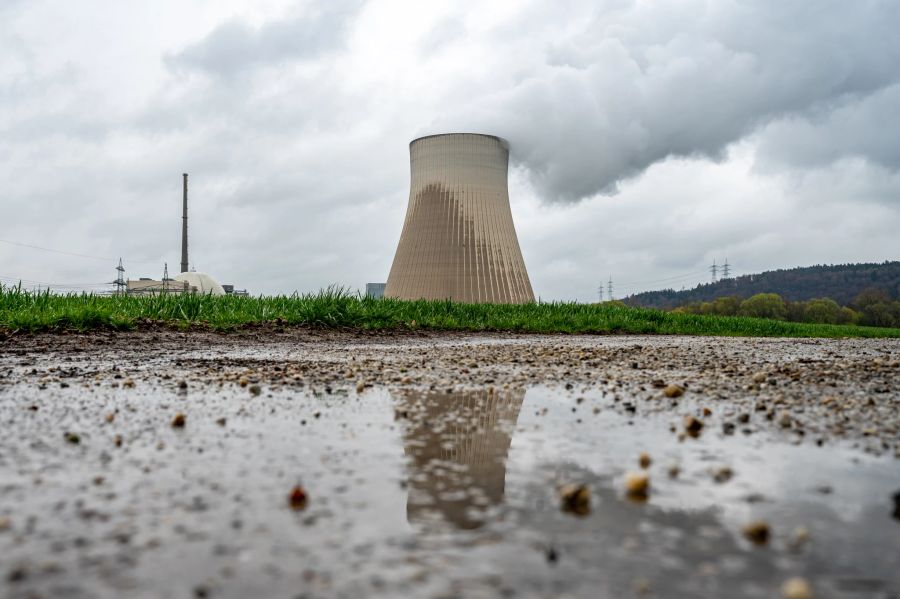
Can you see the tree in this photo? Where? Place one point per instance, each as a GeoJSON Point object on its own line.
{"type": "Point", "coordinates": [764, 305]}
{"type": "Point", "coordinates": [726, 306]}
{"type": "Point", "coordinates": [848, 316]}
{"type": "Point", "coordinates": [869, 296]}
{"type": "Point", "coordinates": [823, 310]}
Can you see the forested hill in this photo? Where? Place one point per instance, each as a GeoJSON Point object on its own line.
{"type": "Point", "coordinates": [840, 282]}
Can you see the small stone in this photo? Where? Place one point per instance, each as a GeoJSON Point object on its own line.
{"type": "Point", "coordinates": [118, 440]}
{"type": "Point", "coordinates": [673, 390]}
{"type": "Point", "coordinates": [297, 498]}
{"type": "Point", "coordinates": [759, 377]}
{"type": "Point", "coordinates": [674, 471]}
{"type": "Point", "coordinates": [5, 523]}
{"type": "Point", "coordinates": [728, 428]}
{"type": "Point", "coordinates": [743, 418]}
{"type": "Point", "coordinates": [360, 386]}
{"type": "Point", "coordinates": [796, 588]}
{"type": "Point", "coordinates": [896, 513]}
{"type": "Point", "coordinates": [637, 484]}
{"type": "Point", "coordinates": [723, 474]}
{"type": "Point", "coordinates": [178, 421]}
{"type": "Point", "coordinates": [128, 383]}
{"type": "Point", "coordinates": [255, 389]}
{"type": "Point", "coordinates": [785, 420]}
{"type": "Point", "coordinates": [182, 384]}
{"type": "Point", "coordinates": [644, 460]}
{"type": "Point", "coordinates": [692, 425]}
{"type": "Point", "coordinates": [221, 421]}
{"type": "Point", "coordinates": [757, 532]}
{"type": "Point", "coordinates": [799, 537]}
{"type": "Point", "coordinates": [73, 438]}
{"type": "Point", "coordinates": [243, 381]}
{"type": "Point", "coordinates": [110, 417]}
{"type": "Point", "coordinates": [575, 498]}
{"type": "Point", "coordinates": [17, 574]}
{"type": "Point", "coordinates": [406, 380]}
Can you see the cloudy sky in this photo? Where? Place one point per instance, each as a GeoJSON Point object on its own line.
{"type": "Point", "coordinates": [648, 138]}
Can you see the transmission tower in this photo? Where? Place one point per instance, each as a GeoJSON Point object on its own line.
{"type": "Point", "coordinates": [600, 291]}
{"type": "Point", "coordinates": [714, 270]}
{"type": "Point", "coordinates": [120, 279]}
{"type": "Point", "coordinates": [609, 289]}
{"type": "Point", "coordinates": [165, 281]}
{"type": "Point", "coordinates": [726, 271]}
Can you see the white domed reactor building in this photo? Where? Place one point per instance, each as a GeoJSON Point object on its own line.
{"type": "Point", "coordinates": [458, 240]}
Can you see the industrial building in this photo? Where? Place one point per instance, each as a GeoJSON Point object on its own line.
{"type": "Point", "coordinates": [458, 240]}
{"type": "Point", "coordinates": [187, 281]}
{"type": "Point", "coordinates": [375, 290]}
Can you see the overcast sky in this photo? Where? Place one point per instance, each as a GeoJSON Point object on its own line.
{"type": "Point", "coordinates": [648, 138]}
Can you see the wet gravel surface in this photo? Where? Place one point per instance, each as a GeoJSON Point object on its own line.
{"type": "Point", "coordinates": [298, 463]}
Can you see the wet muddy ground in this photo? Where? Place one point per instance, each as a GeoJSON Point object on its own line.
{"type": "Point", "coordinates": [296, 463]}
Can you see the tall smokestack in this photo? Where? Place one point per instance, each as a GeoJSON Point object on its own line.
{"type": "Point", "coordinates": [184, 256]}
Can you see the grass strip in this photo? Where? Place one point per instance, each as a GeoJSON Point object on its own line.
{"type": "Point", "coordinates": [22, 310]}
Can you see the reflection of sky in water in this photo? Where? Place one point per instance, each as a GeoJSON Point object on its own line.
{"type": "Point", "coordinates": [466, 502]}
{"type": "Point", "coordinates": [469, 452]}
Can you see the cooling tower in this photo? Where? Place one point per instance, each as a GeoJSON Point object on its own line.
{"type": "Point", "coordinates": [458, 240]}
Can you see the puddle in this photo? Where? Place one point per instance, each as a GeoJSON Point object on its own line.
{"type": "Point", "coordinates": [436, 494]}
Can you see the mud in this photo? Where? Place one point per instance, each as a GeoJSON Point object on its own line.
{"type": "Point", "coordinates": [432, 465]}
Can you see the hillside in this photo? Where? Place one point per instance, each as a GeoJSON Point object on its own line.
{"type": "Point", "coordinates": [840, 282]}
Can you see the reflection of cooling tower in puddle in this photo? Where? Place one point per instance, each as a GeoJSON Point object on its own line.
{"type": "Point", "coordinates": [458, 240]}
{"type": "Point", "coordinates": [457, 444]}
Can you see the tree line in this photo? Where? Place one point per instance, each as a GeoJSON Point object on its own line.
{"type": "Point", "coordinates": [871, 307]}
{"type": "Point", "coordinates": [841, 282]}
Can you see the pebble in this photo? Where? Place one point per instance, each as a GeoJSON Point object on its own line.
{"type": "Point", "coordinates": [73, 438]}
{"type": "Point", "coordinates": [178, 421]}
{"type": "Point", "coordinates": [637, 484]}
{"type": "Point", "coordinates": [760, 377]}
{"type": "Point", "coordinates": [723, 474]}
{"type": "Point", "coordinates": [255, 390]}
{"type": "Point", "coordinates": [785, 420]}
{"type": "Point", "coordinates": [692, 425]}
{"type": "Point", "coordinates": [5, 523]}
{"type": "Point", "coordinates": [673, 390]}
{"type": "Point", "coordinates": [799, 537]}
{"type": "Point", "coordinates": [297, 498]}
{"type": "Point", "coordinates": [796, 588]}
{"type": "Point", "coordinates": [575, 498]}
{"type": "Point", "coordinates": [757, 532]}
{"type": "Point", "coordinates": [644, 460]}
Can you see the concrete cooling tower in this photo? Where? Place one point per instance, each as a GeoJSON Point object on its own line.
{"type": "Point", "coordinates": [458, 239]}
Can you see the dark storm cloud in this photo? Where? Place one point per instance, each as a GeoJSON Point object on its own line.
{"type": "Point", "coordinates": [234, 47]}
{"type": "Point", "coordinates": [644, 81]}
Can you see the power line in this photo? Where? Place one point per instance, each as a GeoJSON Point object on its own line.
{"type": "Point", "coordinates": [16, 280]}
{"type": "Point", "coordinates": [43, 249]}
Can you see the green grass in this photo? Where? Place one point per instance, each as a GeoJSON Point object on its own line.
{"type": "Point", "coordinates": [335, 308]}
